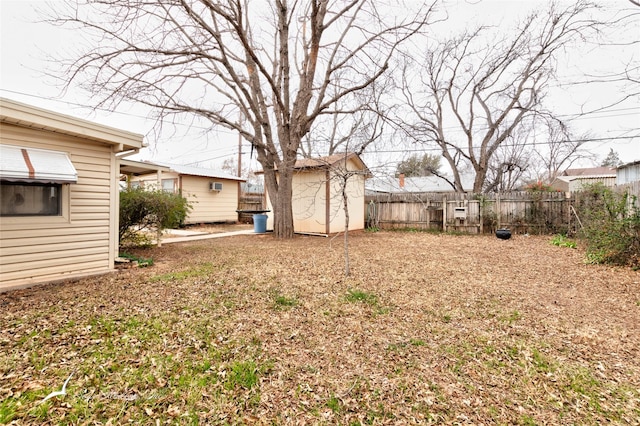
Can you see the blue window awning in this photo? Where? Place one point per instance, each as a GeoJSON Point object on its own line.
{"type": "Point", "coordinates": [19, 164]}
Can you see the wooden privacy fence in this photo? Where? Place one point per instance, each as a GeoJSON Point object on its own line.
{"type": "Point", "coordinates": [250, 201]}
{"type": "Point", "coordinates": [521, 212]}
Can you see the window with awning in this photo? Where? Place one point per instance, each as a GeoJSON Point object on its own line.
{"type": "Point", "coordinates": [31, 165]}
{"type": "Point", "coordinates": [31, 180]}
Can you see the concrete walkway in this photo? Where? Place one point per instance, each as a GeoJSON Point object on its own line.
{"type": "Point", "coordinates": [183, 236]}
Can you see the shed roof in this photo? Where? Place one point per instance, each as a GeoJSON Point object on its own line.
{"type": "Point", "coordinates": [329, 161]}
{"type": "Point", "coordinates": [29, 116]}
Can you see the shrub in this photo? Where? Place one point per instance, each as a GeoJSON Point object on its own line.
{"type": "Point", "coordinates": [142, 210]}
{"type": "Point", "coordinates": [611, 226]}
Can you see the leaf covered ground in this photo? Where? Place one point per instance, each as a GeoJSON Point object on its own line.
{"type": "Point", "coordinates": [436, 329]}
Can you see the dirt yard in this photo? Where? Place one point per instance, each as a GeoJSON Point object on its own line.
{"type": "Point", "coordinates": [428, 329]}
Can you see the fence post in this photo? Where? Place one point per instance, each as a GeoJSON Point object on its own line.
{"type": "Point", "coordinates": [481, 202]}
{"type": "Point", "coordinates": [499, 210]}
{"type": "Point", "coordinates": [444, 214]}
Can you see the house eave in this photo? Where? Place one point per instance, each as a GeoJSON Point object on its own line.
{"type": "Point", "coordinates": [28, 116]}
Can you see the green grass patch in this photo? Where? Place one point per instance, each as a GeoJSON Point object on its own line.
{"type": "Point", "coordinates": [242, 374]}
{"type": "Point", "coordinates": [355, 295]}
{"type": "Point", "coordinates": [333, 403]}
{"type": "Point", "coordinates": [282, 301]}
{"type": "Point", "coordinates": [562, 241]}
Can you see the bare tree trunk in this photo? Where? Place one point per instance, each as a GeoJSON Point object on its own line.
{"type": "Point", "coordinates": [345, 206]}
{"type": "Point", "coordinates": [283, 210]}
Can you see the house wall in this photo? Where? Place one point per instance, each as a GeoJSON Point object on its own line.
{"type": "Point", "coordinates": [206, 206]}
{"type": "Point", "coordinates": [80, 242]}
{"type": "Point", "coordinates": [577, 184]}
{"type": "Point", "coordinates": [627, 174]}
{"type": "Point", "coordinates": [210, 206]}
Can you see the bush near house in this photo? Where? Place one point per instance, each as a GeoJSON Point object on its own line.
{"type": "Point", "coordinates": [142, 210]}
{"type": "Point", "coordinates": [611, 225]}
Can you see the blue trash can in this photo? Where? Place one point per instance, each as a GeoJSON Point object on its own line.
{"type": "Point", "coordinates": [259, 223]}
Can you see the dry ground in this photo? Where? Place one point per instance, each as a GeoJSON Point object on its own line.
{"type": "Point", "coordinates": [249, 330]}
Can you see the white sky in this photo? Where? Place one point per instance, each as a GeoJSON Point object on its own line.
{"type": "Point", "coordinates": [22, 78]}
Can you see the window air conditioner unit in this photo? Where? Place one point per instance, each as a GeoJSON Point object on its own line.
{"type": "Point", "coordinates": [215, 186]}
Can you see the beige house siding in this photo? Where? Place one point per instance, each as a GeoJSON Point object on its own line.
{"type": "Point", "coordinates": [83, 240]}
{"type": "Point", "coordinates": [579, 183]}
{"type": "Point", "coordinates": [210, 206]}
{"type": "Point", "coordinates": [34, 249]}
{"type": "Point", "coordinates": [206, 206]}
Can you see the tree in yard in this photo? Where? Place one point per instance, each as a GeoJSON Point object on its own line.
{"type": "Point", "coordinates": [519, 161]}
{"type": "Point", "coordinates": [469, 95]}
{"type": "Point", "coordinates": [266, 69]}
{"type": "Point", "coordinates": [342, 177]}
{"type": "Point", "coordinates": [345, 177]}
{"type": "Point", "coordinates": [611, 160]}
{"type": "Point", "coordinates": [419, 165]}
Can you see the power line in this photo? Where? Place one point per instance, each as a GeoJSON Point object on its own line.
{"type": "Point", "coordinates": [577, 116]}
{"type": "Point", "coordinates": [590, 140]}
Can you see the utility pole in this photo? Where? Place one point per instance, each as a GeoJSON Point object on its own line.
{"type": "Point", "coordinates": [239, 168]}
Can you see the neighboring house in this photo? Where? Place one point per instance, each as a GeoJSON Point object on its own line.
{"type": "Point", "coordinates": [628, 173]}
{"type": "Point", "coordinates": [58, 195]}
{"type": "Point", "coordinates": [413, 185]}
{"type": "Point", "coordinates": [575, 179]}
{"type": "Point", "coordinates": [317, 197]}
{"type": "Point", "coordinates": [213, 194]}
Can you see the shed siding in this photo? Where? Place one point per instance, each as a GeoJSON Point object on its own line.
{"type": "Point", "coordinates": [310, 197]}
{"type": "Point", "coordinates": [81, 241]}
{"type": "Point", "coordinates": [309, 201]}
{"type": "Point", "coordinates": [355, 202]}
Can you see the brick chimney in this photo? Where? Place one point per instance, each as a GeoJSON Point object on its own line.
{"type": "Point", "coordinates": [401, 180]}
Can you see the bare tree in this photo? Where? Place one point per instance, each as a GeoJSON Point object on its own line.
{"type": "Point", "coordinates": [559, 149]}
{"type": "Point", "coordinates": [468, 95]}
{"type": "Point", "coordinates": [261, 68]}
{"type": "Point", "coordinates": [352, 125]}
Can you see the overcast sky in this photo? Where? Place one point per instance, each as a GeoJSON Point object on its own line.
{"type": "Point", "coordinates": [22, 78]}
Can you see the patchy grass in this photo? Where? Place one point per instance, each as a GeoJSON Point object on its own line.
{"type": "Point", "coordinates": [429, 329]}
